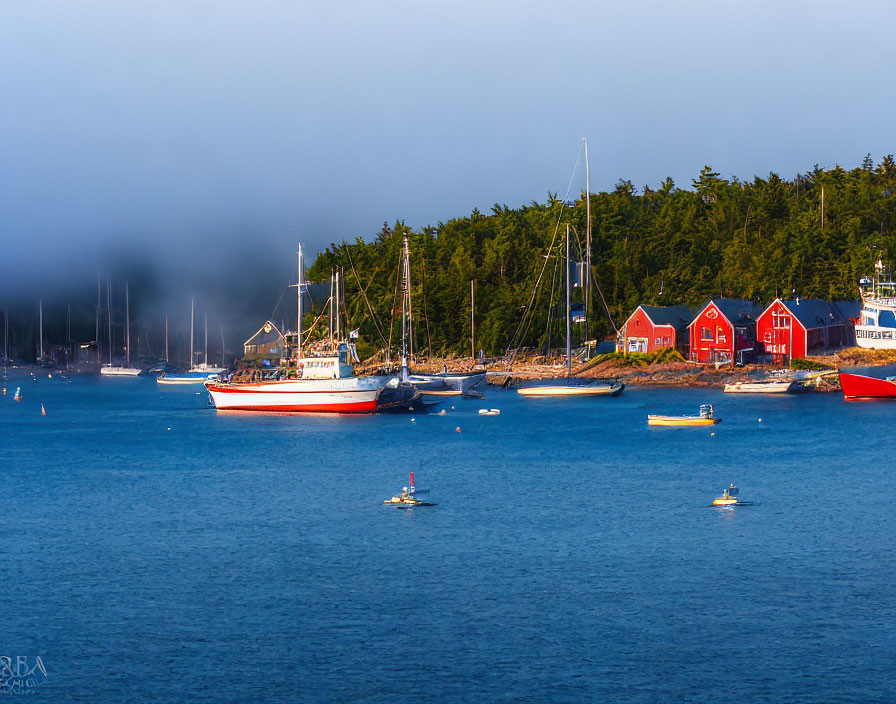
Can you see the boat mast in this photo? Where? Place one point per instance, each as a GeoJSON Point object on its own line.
{"type": "Point", "coordinates": [299, 287]}
{"type": "Point", "coordinates": [332, 305]}
{"type": "Point", "coordinates": [5, 336]}
{"type": "Point", "coordinates": [192, 316]}
{"type": "Point", "coordinates": [41, 306]}
{"type": "Point", "coordinates": [338, 304]}
{"type": "Point", "coordinates": [206, 339]}
{"type": "Point", "coordinates": [405, 306]}
{"type": "Point", "coordinates": [568, 316]}
{"type": "Point", "coordinates": [109, 312]}
{"type": "Point", "coordinates": [98, 302]}
{"type": "Point", "coordinates": [127, 319]}
{"type": "Point", "coordinates": [166, 338]}
{"type": "Point", "coordinates": [587, 242]}
{"type": "Point", "coordinates": [472, 322]}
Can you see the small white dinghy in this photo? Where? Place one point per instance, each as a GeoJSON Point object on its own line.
{"type": "Point", "coordinates": [489, 412]}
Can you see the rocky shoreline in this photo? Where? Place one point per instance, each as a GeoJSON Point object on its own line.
{"type": "Point", "coordinates": [669, 374]}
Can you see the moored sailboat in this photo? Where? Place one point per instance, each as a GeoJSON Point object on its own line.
{"type": "Point", "coordinates": [571, 386]}
{"type": "Point", "coordinates": [127, 370]}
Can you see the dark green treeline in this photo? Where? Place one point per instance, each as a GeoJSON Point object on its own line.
{"type": "Point", "coordinates": [745, 239]}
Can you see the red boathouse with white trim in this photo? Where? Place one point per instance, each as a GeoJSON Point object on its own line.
{"type": "Point", "coordinates": [792, 329]}
{"type": "Point", "coordinates": [651, 328]}
{"type": "Point", "coordinates": [724, 331]}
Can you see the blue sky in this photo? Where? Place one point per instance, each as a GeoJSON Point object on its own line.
{"type": "Point", "coordinates": [185, 127]}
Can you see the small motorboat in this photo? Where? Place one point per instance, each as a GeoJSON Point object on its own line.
{"type": "Point", "coordinates": [489, 411]}
{"type": "Point", "coordinates": [408, 497]}
{"type": "Point", "coordinates": [729, 498]}
{"type": "Point", "coordinates": [706, 417]}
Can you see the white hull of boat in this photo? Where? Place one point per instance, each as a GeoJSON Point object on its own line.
{"type": "Point", "coordinates": [439, 385]}
{"type": "Point", "coordinates": [346, 395]}
{"type": "Point", "coordinates": [166, 380]}
{"type": "Point", "coordinates": [759, 387]}
{"type": "Point", "coordinates": [562, 390]}
{"type": "Point", "coordinates": [120, 371]}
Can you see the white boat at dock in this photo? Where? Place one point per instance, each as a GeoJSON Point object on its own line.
{"type": "Point", "coordinates": [766, 386]}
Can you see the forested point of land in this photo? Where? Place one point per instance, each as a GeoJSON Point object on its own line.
{"type": "Point", "coordinates": [813, 236]}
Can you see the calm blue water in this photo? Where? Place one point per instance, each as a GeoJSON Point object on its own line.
{"type": "Point", "coordinates": [156, 551]}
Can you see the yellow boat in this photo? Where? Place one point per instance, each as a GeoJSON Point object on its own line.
{"type": "Point", "coordinates": [728, 498]}
{"type": "Point", "coordinates": [407, 497]}
{"type": "Point", "coordinates": [706, 417]}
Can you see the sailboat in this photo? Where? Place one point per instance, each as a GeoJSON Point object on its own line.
{"type": "Point", "coordinates": [127, 370]}
{"type": "Point", "coordinates": [197, 373]}
{"type": "Point", "coordinates": [432, 386]}
{"type": "Point", "coordinates": [572, 386]}
{"type": "Point", "coordinates": [316, 380]}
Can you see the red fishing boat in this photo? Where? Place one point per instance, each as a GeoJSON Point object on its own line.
{"type": "Point", "coordinates": [859, 386]}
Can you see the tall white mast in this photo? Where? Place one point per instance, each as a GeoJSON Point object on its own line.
{"type": "Point", "coordinates": [109, 311]}
{"type": "Point", "coordinates": [405, 306]}
{"type": "Point", "coordinates": [127, 322]}
{"type": "Point", "coordinates": [473, 321]}
{"type": "Point", "coordinates": [166, 338]}
{"type": "Point", "coordinates": [332, 306]}
{"type": "Point", "coordinates": [300, 286]}
{"type": "Point", "coordinates": [192, 316]}
{"type": "Point", "coordinates": [587, 241]}
{"type": "Point", "coordinates": [98, 303]}
{"type": "Point", "coordinates": [206, 339]}
{"type": "Point", "coordinates": [568, 316]}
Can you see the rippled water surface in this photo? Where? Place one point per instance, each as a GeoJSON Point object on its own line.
{"type": "Point", "coordinates": [154, 550]}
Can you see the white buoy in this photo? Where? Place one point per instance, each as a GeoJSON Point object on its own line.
{"type": "Point", "coordinates": [760, 420]}
{"type": "Point", "coordinates": [413, 419]}
{"type": "Point", "coordinates": [169, 428]}
{"type": "Point", "coordinates": [712, 435]}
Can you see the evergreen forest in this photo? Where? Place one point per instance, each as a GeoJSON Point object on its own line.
{"type": "Point", "coordinates": [813, 236]}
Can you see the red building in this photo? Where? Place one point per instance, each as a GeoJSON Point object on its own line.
{"type": "Point", "coordinates": [792, 329]}
{"type": "Point", "coordinates": [651, 328]}
{"type": "Point", "coordinates": [724, 331]}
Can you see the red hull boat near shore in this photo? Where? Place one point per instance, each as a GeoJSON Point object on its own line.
{"type": "Point", "coordinates": [858, 386]}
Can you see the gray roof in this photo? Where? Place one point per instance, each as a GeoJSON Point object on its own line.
{"type": "Point", "coordinates": [737, 310]}
{"type": "Point", "coordinates": [676, 316]}
{"type": "Point", "coordinates": [849, 309]}
{"type": "Point", "coordinates": [814, 313]}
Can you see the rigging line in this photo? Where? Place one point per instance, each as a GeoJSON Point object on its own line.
{"type": "Point", "coordinates": [376, 321]}
{"type": "Point", "coordinates": [395, 304]}
{"type": "Point", "coordinates": [550, 317]}
{"type": "Point", "coordinates": [604, 300]}
{"type": "Point", "coordinates": [425, 317]}
{"type": "Point", "coordinates": [532, 297]}
{"type": "Point", "coordinates": [544, 266]}
{"type": "Point", "coordinates": [573, 174]}
{"type": "Point", "coordinates": [279, 301]}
